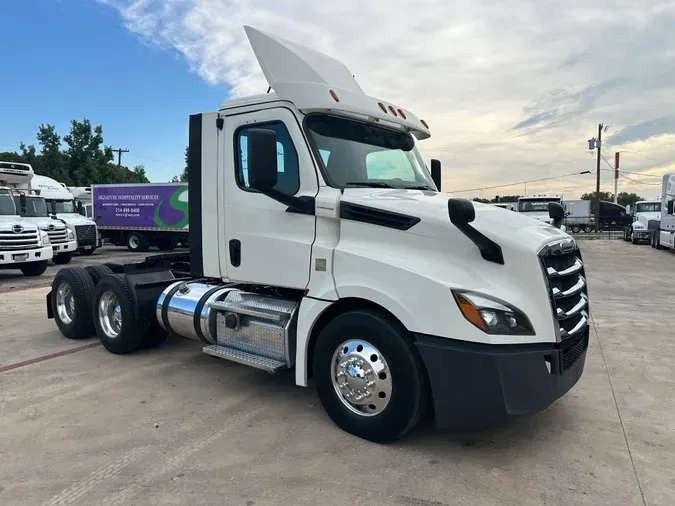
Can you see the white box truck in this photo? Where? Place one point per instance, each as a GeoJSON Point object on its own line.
{"type": "Point", "coordinates": [319, 241]}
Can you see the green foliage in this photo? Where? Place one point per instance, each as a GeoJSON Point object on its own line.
{"type": "Point", "coordinates": [624, 198]}
{"type": "Point", "coordinates": [183, 175]}
{"type": "Point", "coordinates": [84, 161]}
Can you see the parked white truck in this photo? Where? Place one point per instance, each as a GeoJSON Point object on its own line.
{"type": "Point", "coordinates": [642, 212]}
{"type": "Point", "coordinates": [23, 245]}
{"type": "Point", "coordinates": [85, 230]}
{"type": "Point", "coordinates": [320, 241]}
{"type": "Point", "coordinates": [536, 207]}
{"type": "Point", "coordinates": [662, 231]}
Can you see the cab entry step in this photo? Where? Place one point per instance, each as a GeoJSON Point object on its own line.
{"type": "Point", "coordinates": [242, 357]}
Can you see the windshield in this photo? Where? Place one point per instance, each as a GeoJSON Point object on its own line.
{"type": "Point", "coordinates": [35, 207]}
{"type": "Point", "coordinates": [360, 154]}
{"type": "Point", "coordinates": [535, 206]}
{"type": "Point", "coordinates": [6, 204]}
{"type": "Point", "coordinates": [648, 207]}
{"type": "Point", "coordinates": [64, 206]}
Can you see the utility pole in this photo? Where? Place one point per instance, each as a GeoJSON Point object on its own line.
{"type": "Point", "coordinates": [616, 177]}
{"type": "Point", "coordinates": [119, 156]}
{"type": "Point", "coordinates": [597, 181]}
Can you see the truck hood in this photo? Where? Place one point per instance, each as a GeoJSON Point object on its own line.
{"type": "Point", "coordinates": [501, 225]}
{"type": "Point", "coordinates": [7, 222]}
{"type": "Point", "coordinates": [75, 219]}
{"type": "Point", "coordinates": [44, 223]}
{"type": "Point", "coordinates": [645, 218]}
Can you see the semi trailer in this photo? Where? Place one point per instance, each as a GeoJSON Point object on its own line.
{"type": "Point", "coordinates": [320, 242]}
{"type": "Point", "coordinates": [662, 230]}
{"type": "Point", "coordinates": [141, 215]}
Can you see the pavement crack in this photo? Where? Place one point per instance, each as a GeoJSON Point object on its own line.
{"type": "Point", "coordinates": [618, 412]}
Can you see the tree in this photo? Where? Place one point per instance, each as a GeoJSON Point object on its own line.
{"type": "Point", "coordinates": [183, 175]}
{"type": "Point", "coordinates": [484, 201]}
{"type": "Point", "coordinates": [625, 198]}
{"type": "Point", "coordinates": [506, 198]}
{"type": "Point", "coordinates": [607, 196]}
{"type": "Point", "coordinates": [12, 156]}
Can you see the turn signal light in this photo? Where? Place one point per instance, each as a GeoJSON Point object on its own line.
{"type": "Point", "coordinates": [469, 311]}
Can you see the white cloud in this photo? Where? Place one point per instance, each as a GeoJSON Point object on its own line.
{"type": "Point", "coordinates": [512, 90]}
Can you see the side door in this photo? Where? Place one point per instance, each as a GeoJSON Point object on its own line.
{"type": "Point", "coordinates": [264, 243]}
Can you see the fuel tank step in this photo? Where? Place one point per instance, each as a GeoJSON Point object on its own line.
{"type": "Point", "coordinates": [242, 357]}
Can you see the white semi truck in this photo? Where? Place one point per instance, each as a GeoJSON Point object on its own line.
{"type": "Point", "coordinates": [642, 212]}
{"type": "Point", "coordinates": [536, 207]}
{"type": "Point", "coordinates": [319, 241]}
{"type": "Point", "coordinates": [662, 231]}
{"type": "Point", "coordinates": [84, 228]}
{"type": "Point", "coordinates": [23, 245]}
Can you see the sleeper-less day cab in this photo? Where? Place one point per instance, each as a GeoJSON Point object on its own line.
{"type": "Point", "coordinates": [319, 241]}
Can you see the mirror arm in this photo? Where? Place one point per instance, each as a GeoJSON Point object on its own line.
{"type": "Point", "coordinates": [301, 205]}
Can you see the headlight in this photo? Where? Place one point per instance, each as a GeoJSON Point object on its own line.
{"type": "Point", "coordinates": [45, 240]}
{"type": "Point", "coordinates": [71, 236]}
{"type": "Point", "coordinates": [492, 316]}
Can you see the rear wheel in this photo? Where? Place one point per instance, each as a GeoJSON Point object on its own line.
{"type": "Point", "coordinates": [113, 312]}
{"type": "Point", "coordinates": [138, 242]}
{"type": "Point", "coordinates": [62, 258]}
{"type": "Point", "coordinates": [34, 268]}
{"type": "Point", "coordinates": [369, 376]}
{"type": "Point", "coordinates": [575, 228]}
{"type": "Point", "coordinates": [98, 272]}
{"type": "Point", "coordinates": [71, 297]}
{"type": "Point", "coordinates": [588, 229]}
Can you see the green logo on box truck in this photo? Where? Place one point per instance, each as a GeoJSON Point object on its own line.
{"type": "Point", "coordinates": [178, 210]}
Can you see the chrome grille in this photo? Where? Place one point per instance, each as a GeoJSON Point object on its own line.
{"type": "Point", "coordinates": [568, 290]}
{"type": "Point", "coordinates": [57, 236]}
{"type": "Point", "coordinates": [27, 239]}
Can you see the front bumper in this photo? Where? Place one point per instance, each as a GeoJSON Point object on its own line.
{"type": "Point", "coordinates": [64, 247]}
{"type": "Point", "coordinates": [477, 385]}
{"type": "Point", "coordinates": [8, 258]}
{"type": "Point", "coordinates": [641, 234]}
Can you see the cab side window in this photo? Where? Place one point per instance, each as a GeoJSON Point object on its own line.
{"type": "Point", "coordinates": [288, 170]}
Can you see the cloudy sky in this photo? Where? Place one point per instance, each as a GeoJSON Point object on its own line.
{"type": "Point", "coordinates": [512, 90]}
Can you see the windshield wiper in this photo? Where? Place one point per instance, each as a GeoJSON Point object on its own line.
{"type": "Point", "coordinates": [420, 187]}
{"type": "Point", "coordinates": [369, 184]}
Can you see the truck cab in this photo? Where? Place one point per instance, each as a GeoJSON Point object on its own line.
{"type": "Point", "coordinates": [85, 230]}
{"type": "Point", "coordinates": [536, 207]}
{"type": "Point", "coordinates": [642, 214]}
{"type": "Point", "coordinates": [82, 196]}
{"type": "Point", "coordinates": [31, 206]}
{"type": "Point", "coordinates": [320, 242]}
{"type": "Point", "coordinates": [23, 245]}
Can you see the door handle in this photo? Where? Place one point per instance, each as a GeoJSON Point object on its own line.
{"type": "Point", "coordinates": [235, 252]}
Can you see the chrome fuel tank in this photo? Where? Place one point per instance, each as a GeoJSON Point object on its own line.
{"type": "Point", "coordinates": [183, 309]}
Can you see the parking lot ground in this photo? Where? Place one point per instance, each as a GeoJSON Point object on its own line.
{"type": "Point", "coordinates": [175, 426]}
{"type": "Point", "coordinates": [13, 279]}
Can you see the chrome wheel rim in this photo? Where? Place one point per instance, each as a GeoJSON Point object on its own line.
{"type": "Point", "coordinates": [361, 378]}
{"type": "Point", "coordinates": [65, 303]}
{"type": "Point", "coordinates": [110, 315]}
{"type": "Point", "coordinates": [133, 241]}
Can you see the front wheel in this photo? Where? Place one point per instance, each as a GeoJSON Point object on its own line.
{"type": "Point", "coordinates": [634, 239]}
{"type": "Point", "coordinates": [62, 258]}
{"type": "Point", "coordinates": [369, 376]}
{"type": "Point", "coordinates": [137, 242]}
{"type": "Point", "coordinates": [34, 268]}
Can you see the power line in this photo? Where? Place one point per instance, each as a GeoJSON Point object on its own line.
{"type": "Point", "coordinates": [521, 182]}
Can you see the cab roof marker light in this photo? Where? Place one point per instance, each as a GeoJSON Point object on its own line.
{"type": "Point", "coordinates": [393, 111]}
{"type": "Point", "coordinates": [334, 95]}
{"type": "Point", "coordinates": [383, 107]}
{"type": "Point", "coordinates": [401, 112]}
{"type": "Point", "coordinates": [425, 124]}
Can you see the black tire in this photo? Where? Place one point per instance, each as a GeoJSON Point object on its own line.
{"type": "Point", "coordinates": [625, 235]}
{"type": "Point", "coordinates": [409, 382]}
{"type": "Point", "coordinates": [575, 229]}
{"type": "Point", "coordinates": [166, 243]}
{"type": "Point", "coordinates": [657, 240]}
{"type": "Point", "coordinates": [98, 272]}
{"type": "Point", "coordinates": [82, 289]}
{"type": "Point", "coordinates": [62, 258]}
{"type": "Point", "coordinates": [138, 242]}
{"type": "Point", "coordinates": [34, 268]}
{"type": "Point", "coordinates": [132, 331]}
{"type": "Point", "coordinates": [87, 252]}
{"type": "Point", "coordinates": [652, 240]}
{"type": "Point", "coordinates": [155, 335]}
{"type": "Point", "coordinates": [634, 239]}
{"type": "Point", "coordinates": [588, 229]}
